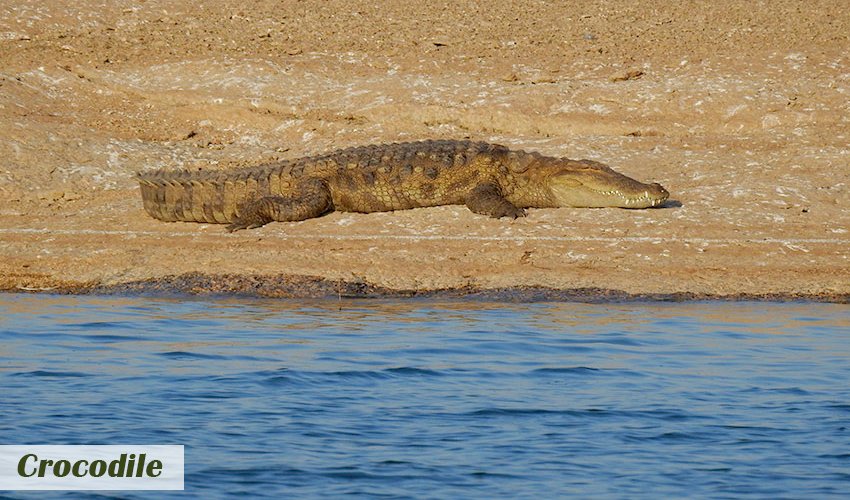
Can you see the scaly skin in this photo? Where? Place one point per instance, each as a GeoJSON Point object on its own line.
{"type": "Point", "coordinates": [488, 178]}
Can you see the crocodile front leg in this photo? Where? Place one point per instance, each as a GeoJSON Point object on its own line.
{"type": "Point", "coordinates": [312, 200]}
{"type": "Point", "coordinates": [487, 199]}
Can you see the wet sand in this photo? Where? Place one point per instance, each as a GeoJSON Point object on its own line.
{"type": "Point", "coordinates": [741, 112]}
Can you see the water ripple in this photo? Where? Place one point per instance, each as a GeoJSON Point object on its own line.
{"type": "Point", "coordinates": [53, 374]}
{"type": "Point", "coordinates": [420, 399]}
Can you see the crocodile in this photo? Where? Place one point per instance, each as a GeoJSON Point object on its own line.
{"type": "Point", "coordinates": [490, 179]}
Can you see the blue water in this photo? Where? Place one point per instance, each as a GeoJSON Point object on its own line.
{"type": "Point", "coordinates": [444, 400]}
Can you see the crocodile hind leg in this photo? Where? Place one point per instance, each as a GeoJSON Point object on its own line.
{"type": "Point", "coordinates": [312, 200]}
{"type": "Point", "coordinates": [487, 199]}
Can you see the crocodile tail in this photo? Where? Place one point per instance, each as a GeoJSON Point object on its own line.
{"type": "Point", "coordinates": [194, 196]}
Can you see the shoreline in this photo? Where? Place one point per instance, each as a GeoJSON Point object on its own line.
{"type": "Point", "coordinates": [198, 285]}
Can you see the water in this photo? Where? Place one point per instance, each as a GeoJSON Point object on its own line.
{"type": "Point", "coordinates": [443, 400]}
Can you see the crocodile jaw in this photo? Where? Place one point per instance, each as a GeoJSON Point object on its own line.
{"type": "Point", "coordinates": [605, 189]}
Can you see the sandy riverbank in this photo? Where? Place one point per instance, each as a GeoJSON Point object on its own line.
{"type": "Point", "coordinates": [740, 111]}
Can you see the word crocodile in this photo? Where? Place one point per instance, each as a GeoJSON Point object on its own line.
{"type": "Point", "coordinates": [488, 178]}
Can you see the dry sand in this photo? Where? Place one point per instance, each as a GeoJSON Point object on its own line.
{"type": "Point", "coordinates": [740, 109]}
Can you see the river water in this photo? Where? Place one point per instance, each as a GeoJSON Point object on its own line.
{"type": "Point", "coordinates": [440, 399]}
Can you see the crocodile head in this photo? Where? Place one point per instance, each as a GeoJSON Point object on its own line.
{"type": "Point", "coordinates": [590, 184]}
